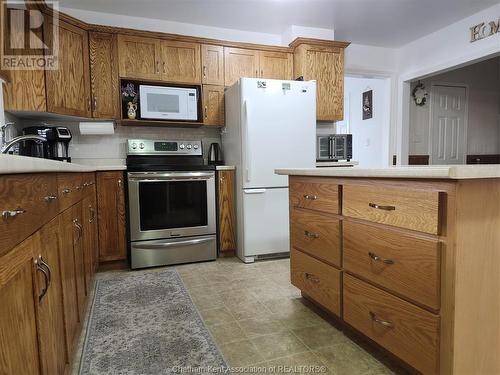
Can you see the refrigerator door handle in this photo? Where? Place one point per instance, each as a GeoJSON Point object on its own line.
{"type": "Point", "coordinates": [248, 156]}
{"type": "Point", "coordinates": [254, 191]}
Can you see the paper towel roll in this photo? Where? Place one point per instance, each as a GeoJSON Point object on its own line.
{"type": "Point", "coordinates": [97, 128]}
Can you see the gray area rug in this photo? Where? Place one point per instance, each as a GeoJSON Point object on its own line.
{"type": "Point", "coordinates": [146, 323]}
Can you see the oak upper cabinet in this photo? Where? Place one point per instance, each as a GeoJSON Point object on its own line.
{"type": "Point", "coordinates": [239, 62]}
{"type": "Point", "coordinates": [213, 105]}
{"type": "Point", "coordinates": [18, 331]}
{"type": "Point", "coordinates": [276, 65]}
{"type": "Point", "coordinates": [111, 216]}
{"type": "Point", "coordinates": [212, 60]}
{"type": "Point", "coordinates": [139, 57]}
{"type": "Point", "coordinates": [51, 335]}
{"type": "Point", "coordinates": [68, 86]}
{"type": "Point", "coordinates": [226, 216]}
{"type": "Point", "coordinates": [322, 61]}
{"type": "Point", "coordinates": [104, 75]}
{"type": "Point", "coordinates": [180, 62]}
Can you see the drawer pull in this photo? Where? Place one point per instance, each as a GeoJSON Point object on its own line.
{"type": "Point", "coordinates": [66, 191]}
{"type": "Point", "coordinates": [385, 323]}
{"type": "Point", "coordinates": [380, 259]}
{"type": "Point", "coordinates": [311, 277]}
{"type": "Point", "coordinates": [50, 198]}
{"type": "Point", "coordinates": [13, 213]}
{"type": "Point", "coordinates": [385, 208]}
{"type": "Point", "coordinates": [310, 234]}
{"type": "Point", "coordinates": [310, 197]}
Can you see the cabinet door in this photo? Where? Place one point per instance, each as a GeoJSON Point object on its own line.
{"type": "Point", "coordinates": [139, 57]}
{"type": "Point", "coordinates": [51, 336]}
{"type": "Point", "coordinates": [78, 250]}
{"type": "Point", "coordinates": [111, 216]}
{"type": "Point", "coordinates": [327, 68]}
{"type": "Point", "coordinates": [227, 218]}
{"type": "Point", "coordinates": [212, 59]}
{"type": "Point", "coordinates": [104, 75]}
{"type": "Point", "coordinates": [19, 348]}
{"type": "Point", "coordinates": [276, 65]}
{"type": "Point", "coordinates": [89, 238]}
{"type": "Point", "coordinates": [68, 86]}
{"type": "Point", "coordinates": [67, 262]}
{"type": "Point", "coordinates": [213, 105]}
{"type": "Point", "coordinates": [180, 62]}
{"type": "Point", "coordinates": [239, 63]}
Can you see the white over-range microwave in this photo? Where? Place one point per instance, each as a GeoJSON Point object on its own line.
{"type": "Point", "coordinates": [168, 103]}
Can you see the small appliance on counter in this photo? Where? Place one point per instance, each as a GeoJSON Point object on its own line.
{"type": "Point", "coordinates": [215, 155]}
{"type": "Point", "coordinates": [333, 147]}
{"type": "Point", "coordinates": [56, 147]}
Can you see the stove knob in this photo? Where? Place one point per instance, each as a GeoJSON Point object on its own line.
{"type": "Point", "coordinates": [189, 146]}
{"type": "Point", "coordinates": [141, 145]}
{"type": "Point", "coordinates": [195, 147]}
{"type": "Point", "coordinates": [134, 146]}
{"type": "Point", "coordinates": [181, 146]}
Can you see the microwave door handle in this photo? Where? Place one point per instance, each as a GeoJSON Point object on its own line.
{"type": "Point", "coordinates": [170, 244]}
{"type": "Point", "coordinates": [330, 147]}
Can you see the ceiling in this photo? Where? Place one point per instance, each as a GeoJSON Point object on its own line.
{"type": "Point", "coordinates": [388, 23]}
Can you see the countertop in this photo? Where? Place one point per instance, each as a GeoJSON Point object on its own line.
{"type": "Point", "coordinates": [225, 167]}
{"type": "Point", "coordinates": [454, 172]}
{"type": "Point", "coordinates": [325, 164]}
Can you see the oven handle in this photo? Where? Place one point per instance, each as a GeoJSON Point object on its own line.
{"type": "Point", "coordinates": [170, 176]}
{"type": "Point", "coordinates": [169, 244]}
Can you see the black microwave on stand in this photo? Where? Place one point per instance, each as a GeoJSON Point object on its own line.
{"type": "Point", "coordinates": [334, 147]}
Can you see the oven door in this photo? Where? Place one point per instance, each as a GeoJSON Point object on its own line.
{"type": "Point", "coordinates": [171, 204]}
{"type": "Point", "coordinates": [323, 148]}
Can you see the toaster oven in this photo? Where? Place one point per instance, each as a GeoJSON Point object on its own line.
{"type": "Point", "coordinates": [334, 147]}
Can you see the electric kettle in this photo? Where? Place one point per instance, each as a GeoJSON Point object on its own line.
{"type": "Point", "coordinates": [215, 155]}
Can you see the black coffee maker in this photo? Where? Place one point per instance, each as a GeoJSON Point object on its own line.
{"type": "Point", "coordinates": [56, 147]}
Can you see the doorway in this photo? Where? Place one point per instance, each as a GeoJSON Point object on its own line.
{"type": "Point", "coordinates": [448, 125]}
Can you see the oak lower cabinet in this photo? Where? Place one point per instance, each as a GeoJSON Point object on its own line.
{"type": "Point", "coordinates": [213, 105]}
{"type": "Point", "coordinates": [111, 216]}
{"type": "Point", "coordinates": [226, 211]}
{"type": "Point", "coordinates": [412, 264]}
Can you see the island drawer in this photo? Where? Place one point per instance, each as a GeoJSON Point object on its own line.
{"type": "Point", "coordinates": [406, 330]}
{"type": "Point", "coordinates": [314, 193]}
{"type": "Point", "coordinates": [398, 206]}
{"type": "Point", "coordinates": [406, 264]}
{"type": "Point", "coordinates": [316, 279]}
{"type": "Point", "coordinates": [27, 202]}
{"type": "Point", "coordinates": [70, 186]}
{"type": "Point", "coordinates": [316, 234]}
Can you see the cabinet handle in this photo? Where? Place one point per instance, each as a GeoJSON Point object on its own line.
{"type": "Point", "coordinates": [66, 191]}
{"type": "Point", "coordinates": [120, 183]}
{"type": "Point", "coordinates": [310, 234]}
{"type": "Point", "coordinates": [45, 264]}
{"type": "Point", "coordinates": [380, 259]}
{"type": "Point", "coordinates": [95, 104]}
{"type": "Point", "coordinates": [385, 208]}
{"type": "Point", "coordinates": [89, 105]}
{"type": "Point", "coordinates": [385, 323]}
{"type": "Point", "coordinates": [311, 277]}
{"type": "Point", "coordinates": [262, 73]}
{"type": "Point", "coordinates": [78, 188]}
{"type": "Point", "coordinates": [50, 198]}
{"type": "Point", "coordinates": [92, 214]}
{"type": "Point", "coordinates": [164, 70]}
{"type": "Point", "coordinates": [310, 197]}
{"type": "Point", "coordinates": [13, 213]}
{"type": "Point", "coordinates": [206, 112]}
{"type": "Point", "coordinates": [157, 67]}
{"type": "Point", "coordinates": [256, 73]}
{"type": "Point", "coordinates": [80, 229]}
{"type": "Point", "coordinates": [204, 70]}
{"type": "Point", "coordinates": [45, 272]}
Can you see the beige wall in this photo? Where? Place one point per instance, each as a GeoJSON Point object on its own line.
{"type": "Point", "coordinates": [483, 128]}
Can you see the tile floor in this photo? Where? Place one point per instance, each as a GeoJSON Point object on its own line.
{"type": "Point", "coordinates": [259, 320]}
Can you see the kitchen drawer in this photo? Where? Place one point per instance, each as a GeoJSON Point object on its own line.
{"type": "Point", "coordinates": [27, 201]}
{"type": "Point", "coordinates": [314, 194]}
{"type": "Point", "coordinates": [88, 184]}
{"type": "Point", "coordinates": [405, 264]}
{"type": "Point", "coordinates": [316, 279]}
{"type": "Point", "coordinates": [404, 329]}
{"type": "Point", "coordinates": [402, 207]}
{"type": "Point", "coordinates": [316, 234]}
{"type": "Point", "coordinates": [70, 188]}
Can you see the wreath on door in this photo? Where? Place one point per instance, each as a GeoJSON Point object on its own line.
{"type": "Point", "coordinates": [419, 94]}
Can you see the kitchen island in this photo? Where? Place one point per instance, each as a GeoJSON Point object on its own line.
{"type": "Point", "coordinates": [407, 256]}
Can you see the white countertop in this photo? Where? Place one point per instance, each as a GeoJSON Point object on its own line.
{"type": "Point", "coordinates": [324, 164]}
{"type": "Point", "coordinates": [432, 171]}
{"type": "Point", "coordinates": [225, 167]}
{"type": "Point", "coordinates": [103, 164]}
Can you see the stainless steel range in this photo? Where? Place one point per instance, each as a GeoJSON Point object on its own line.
{"type": "Point", "coordinates": [171, 203]}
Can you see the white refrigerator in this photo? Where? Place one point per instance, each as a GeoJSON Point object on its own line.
{"type": "Point", "coordinates": [269, 124]}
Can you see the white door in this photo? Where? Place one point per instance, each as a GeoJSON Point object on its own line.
{"type": "Point", "coordinates": [278, 129]}
{"type": "Point", "coordinates": [448, 125]}
{"type": "Point", "coordinates": [265, 222]}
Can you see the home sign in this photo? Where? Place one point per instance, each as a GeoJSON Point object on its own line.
{"type": "Point", "coordinates": [484, 30]}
